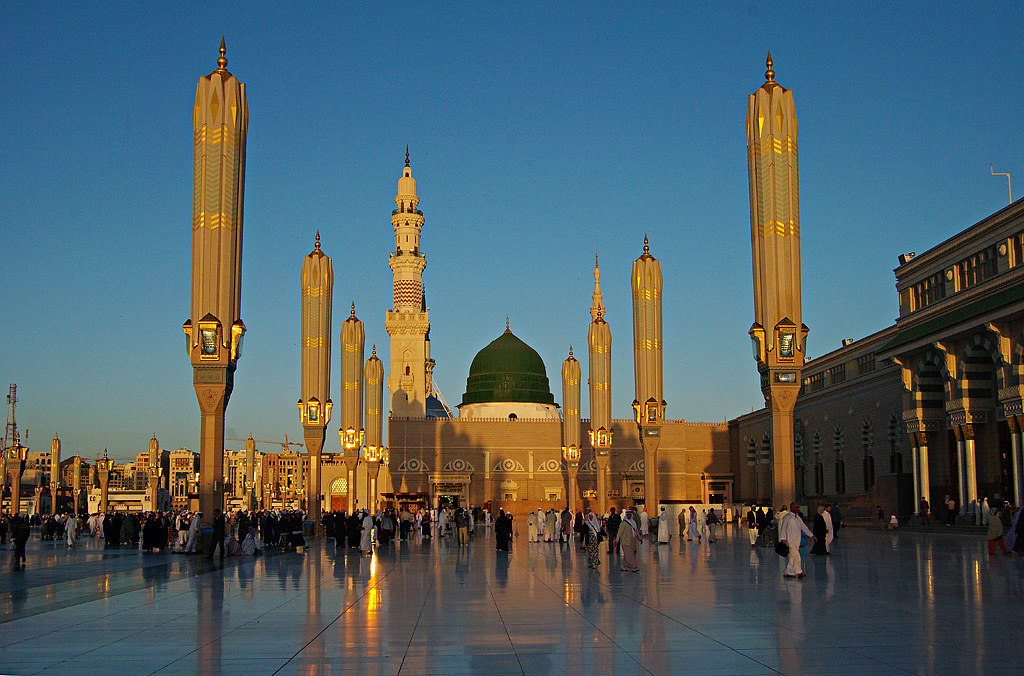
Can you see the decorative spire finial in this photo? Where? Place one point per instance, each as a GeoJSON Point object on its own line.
{"type": "Point", "coordinates": [507, 329]}
{"type": "Point", "coordinates": [374, 350]}
{"type": "Point", "coordinates": [647, 248]}
{"type": "Point", "coordinates": [104, 454]}
{"type": "Point", "coordinates": [317, 245]}
{"type": "Point", "coordinates": [597, 308]}
{"type": "Point", "coordinates": [353, 309]}
{"type": "Point", "coordinates": [570, 352]}
{"type": "Point", "coordinates": [407, 154]}
{"type": "Point", "coordinates": [250, 435]}
{"type": "Point", "coordinates": [769, 75]}
{"type": "Point", "coordinates": [222, 61]}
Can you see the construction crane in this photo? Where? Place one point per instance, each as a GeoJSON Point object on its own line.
{"type": "Point", "coordinates": [283, 444]}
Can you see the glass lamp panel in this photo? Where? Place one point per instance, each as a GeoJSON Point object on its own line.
{"type": "Point", "coordinates": [208, 342]}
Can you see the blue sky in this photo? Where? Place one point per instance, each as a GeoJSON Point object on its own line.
{"type": "Point", "coordinates": [540, 135]}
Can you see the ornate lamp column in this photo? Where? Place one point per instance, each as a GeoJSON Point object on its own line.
{"type": "Point", "coordinates": [76, 483]}
{"type": "Point", "coordinates": [599, 342]}
{"type": "Point", "coordinates": [54, 473]}
{"type": "Point", "coordinates": [778, 334]}
{"type": "Point", "coordinates": [250, 471]}
{"type": "Point", "coordinates": [649, 406]}
{"type": "Point", "coordinates": [317, 284]}
{"type": "Point", "coordinates": [154, 471]}
{"type": "Point", "coordinates": [353, 344]}
{"type": "Point", "coordinates": [571, 426]}
{"type": "Point", "coordinates": [220, 119]}
{"type": "Point", "coordinates": [103, 473]}
{"type": "Point", "coordinates": [374, 423]}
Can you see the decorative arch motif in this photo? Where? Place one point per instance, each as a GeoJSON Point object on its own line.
{"type": "Point", "coordinates": [638, 466]}
{"type": "Point", "coordinates": [508, 465]}
{"type": "Point", "coordinates": [551, 466]}
{"type": "Point", "coordinates": [588, 466]}
{"type": "Point", "coordinates": [413, 465]}
{"type": "Point", "coordinates": [339, 486]}
{"type": "Point", "coordinates": [458, 465]}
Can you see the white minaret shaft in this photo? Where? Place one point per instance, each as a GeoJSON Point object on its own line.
{"type": "Point", "coordinates": [220, 120]}
{"type": "Point", "coordinates": [353, 344]}
{"type": "Point", "coordinates": [599, 342]}
{"type": "Point", "coordinates": [316, 282]}
{"type": "Point", "coordinates": [571, 402]}
{"type": "Point", "coordinates": [374, 400]}
{"type": "Point", "coordinates": [408, 323]}
{"type": "Point", "coordinates": [647, 345]}
{"type": "Point", "coordinates": [55, 478]}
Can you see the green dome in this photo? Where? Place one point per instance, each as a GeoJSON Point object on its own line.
{"type": "Point", "coordinates": [507, 370]}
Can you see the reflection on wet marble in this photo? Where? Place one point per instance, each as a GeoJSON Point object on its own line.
{"type": "Point", "coordinates": [883, 603]}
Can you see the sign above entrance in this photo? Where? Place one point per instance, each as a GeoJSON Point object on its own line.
{"type": "Point", "coordinates": [450, 478]}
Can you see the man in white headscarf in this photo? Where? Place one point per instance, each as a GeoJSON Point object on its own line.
{"type": "Point", "coordinates": [663, 527]}
{"type": "Point", "coordinates": [645, 523]}
{"type": "Point", "coordinates": [193, 533]}
{"type": "Point", "coordinates": [71, 529]}
{"type": "Point", "coordinates": [366, 539]}
{"type": "Point", "coordinates": [791, 528]}
{"type": "Point", "coordinates": [531, 527]}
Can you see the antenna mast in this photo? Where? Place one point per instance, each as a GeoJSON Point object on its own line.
{"type": "Point", "coordinates": [11, 437]}
{"type": "Point", "coordinates": [1009, 186]}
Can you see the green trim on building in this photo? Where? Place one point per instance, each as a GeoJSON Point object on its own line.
{"type": "Point", "coordinates": [959, 315]}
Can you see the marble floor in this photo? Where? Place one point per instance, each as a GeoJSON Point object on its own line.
{"type": "Point", "coordinates": [882, 603]}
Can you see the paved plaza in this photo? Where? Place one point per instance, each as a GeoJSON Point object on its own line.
{"type": "Point", "coordinates": [883, 603]}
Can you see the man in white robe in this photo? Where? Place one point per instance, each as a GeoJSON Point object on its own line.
{"type": "Point", "coordinates": [531, 527]}
{"type": "Point", "coordinates": [645, 523]}
{"type": "Point", "coordinates": [791, 528]}
{"type": "Point", "coordinates": [71, 529]}
{"type": "Point", "coordinates": [193, 533]}
{"type": "Point", "coordinates": [550, 526]}
{"type": "Point", "coordinates": [829, 534]}
{"type": "Point", "coordinates": [366, 537]}
{"type": "Point", "coordinates": [663, 527]}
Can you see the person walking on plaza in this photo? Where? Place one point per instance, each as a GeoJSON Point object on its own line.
{"type": "Point", "coordinates": [579, 526]}
{"type": "Point", "coordinates": [662, 527]}
{"type": "Point", "coordinates": [71, 529]}
{"type": "Point", "coordinates": [551, 526]}
{"type": "Point", "coordinates": [593, 531]}
{"type": "Point", "coordinates": [192, 541]}
{"type": "Point", "coordinates": [681, 519]}
{"type": "Point", "coordinates": [645, 522]}
{"type": "Point", "coordinates": [612, 526]}
{"type": "Point", "coordinates": [830, 529]}
{"type": "Point", "coordinates": [712, 521]}
{"type": "Point", "coordinates": [19, 535]}
{"type": "Point", "coordinates": [629, 540]}
{"type": "Point", "coordinates": [820, 531]}
{"type": "Point", "coordinates": [366, 538]}
{"type": "Point", "coordinates": [565, 526]}
{"type": "Point", "coordinates": [950, 511]}
{"type": "Point", "coordinates": [692, 527]}
{"type": "Point", "coordinates": [461, 527]}
{"type": "Point", "coordinates": [502, 531]}
{"type": "Point", "coordinates": [425, 524]}
{"type": "Point", "coordinates": [217, 536]}
{"type": "Point", "coordinates": [752, 527]}
{"type": "Point", "coordinates": [791, 530]}
{"type": "Point", "coordinates": [837, 521]}
{"type": "Point", "coordinates": [531, 527]}
{"type": "Point", "coordinates": [923, 510]}
{"type": "Point", "coordinates": [995, 533]}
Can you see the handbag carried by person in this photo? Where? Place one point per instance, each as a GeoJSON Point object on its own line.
{"type": "Point", "coordinates": [782, 548]}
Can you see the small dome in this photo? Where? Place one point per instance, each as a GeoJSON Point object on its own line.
{"type": "Point", "coordinates": [507, 370]}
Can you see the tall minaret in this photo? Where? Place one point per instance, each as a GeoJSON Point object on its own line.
{"type": "Point", "coordinates": [599, 342]}
{"type": "Point", "coordinates": [316, 283]}
{"type": "Point", "coordinates": [154, 472]}
{"type": "Point", "coordinates": [778, 332]}
{"type": "Point", "coordinates": [374, 425]}
{"type": "Point", "coordinates": [214, 329]}
{"type": "Point", "coordinates": [408, 323]}
{"type": "Point", "coordinates": [353, 345]}
{"type": "Point", "coordinates": [649, 404]}
{"type": "Point", "coordinates": [571, 425]}
{"type": "Point", "coordinates": [54, 473]}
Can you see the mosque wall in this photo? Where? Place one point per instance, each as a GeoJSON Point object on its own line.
{"type": "Point", "coordinates": [517, 465]}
